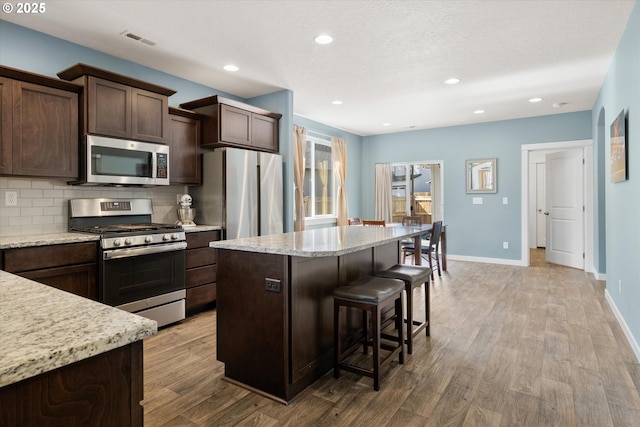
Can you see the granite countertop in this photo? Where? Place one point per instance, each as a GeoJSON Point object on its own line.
{"type": "Point", "coordinates": [11, 242]}
{"type": "Point", "coordinates": [43, 328]}
{"type": "Point", "coordinates": [330, 241]}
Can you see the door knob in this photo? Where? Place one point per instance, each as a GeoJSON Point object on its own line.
{"type": "Point", "coordinates": [546, 213]}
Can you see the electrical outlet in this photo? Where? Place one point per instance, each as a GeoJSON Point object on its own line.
{"type": "Point", "coordinates": [505, 245]}
{"type": "Point", "coordinates": [272, 285]}
{"type": "Point", "coordinates": [11, 198]}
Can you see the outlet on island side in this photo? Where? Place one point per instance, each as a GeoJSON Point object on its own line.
{"type": "Point", "coordinates": [272, 285]}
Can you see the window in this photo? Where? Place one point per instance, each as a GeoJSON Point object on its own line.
{"type": "Point", "coordinates": [319, 183]}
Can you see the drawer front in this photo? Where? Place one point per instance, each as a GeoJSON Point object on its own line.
{"type": "Point", "coordinates": [41, 257]}
{"type": "Point", "coordinates": [200, 298]}
{"type": "Point", "coordinates": [201, 239]}
{"type": "Point", "coordinates": [201, 257]}
{"type": "Point", "coordinates": [201, 275]}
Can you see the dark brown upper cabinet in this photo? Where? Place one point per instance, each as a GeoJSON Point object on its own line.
{"type": "Point", "coordinates": [39, 125]}
{"type": "Point", "coordinates": [120, 106]}
{"type": "Point", "coordinates": [184, 142]}
{"type": "Point", "coordinates": [233, 123]}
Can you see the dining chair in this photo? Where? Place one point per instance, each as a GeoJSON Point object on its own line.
{"type": "Point", "coordinates": [374, 222]}
{"type": "Point", "coordinates": [355, 221]}
{"type": "Point", "coordinates": [430, 248]}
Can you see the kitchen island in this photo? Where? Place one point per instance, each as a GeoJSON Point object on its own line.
{"type": "Point", "coordinates": [275, 300]}
{"type": "Point", "coordinates": [67, 360]}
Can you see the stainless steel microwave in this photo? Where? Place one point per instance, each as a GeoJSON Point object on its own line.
{"type": "Point", "coordinates": [112, 161]}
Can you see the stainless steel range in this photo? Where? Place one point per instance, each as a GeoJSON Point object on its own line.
{"type": "Point", "coordinates": [141, 263]}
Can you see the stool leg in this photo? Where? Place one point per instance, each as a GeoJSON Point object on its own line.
{"type": "Point", "coordinates": [400, 316]}
{"type": "Point", "coordinates": [365, 332]}
{"type": "Point", "coordinates": [375, 320]}
{"type": "Point", "coordinates": [409, 292]}
{"type": "Point", "coordinates": [427, 306]}
{"type": "Point", "coordinates": [336, 340]}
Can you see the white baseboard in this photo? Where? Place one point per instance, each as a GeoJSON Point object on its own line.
{"type": "Point", "coordinates": [503, 261]}
{"type": "Point", "coordinates": [627, 333]}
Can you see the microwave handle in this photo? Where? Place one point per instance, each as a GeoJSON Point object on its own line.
{"type": "Point", "coordinates": [154, 165]}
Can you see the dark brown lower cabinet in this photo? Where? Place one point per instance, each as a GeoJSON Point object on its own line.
{"type": "Point", "coordinates": [71, 267]}
{"type": "Point", "coordinates": [103, 390]}
{"type": "Point", "coordinates": [201, 271]}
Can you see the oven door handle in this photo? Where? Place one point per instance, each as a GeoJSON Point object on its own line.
{"type": "Point", "coordinates": [145, 250]}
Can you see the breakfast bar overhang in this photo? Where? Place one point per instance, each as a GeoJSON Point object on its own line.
{"type": "Point", "coordinates": [275, 304]}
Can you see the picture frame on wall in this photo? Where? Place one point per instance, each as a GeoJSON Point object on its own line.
{"type": "Point", "coordinates": [619, 165]}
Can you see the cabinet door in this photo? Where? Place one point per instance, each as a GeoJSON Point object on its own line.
{"type": "Point", "coordinates": [264, 132]}
{"type": "Point", "coordinates": [108, 108]}
{"type": "Point", "coordinates": [78, 279]}
{"type": "Point", "coordinates": [235, 125]}
{"type": "Point", "coordinates": [149, 116]}
{"type": "Point", "coordinates": [45, 131]}
{"type": "Point", "coordinates": [6, 124]}
{"type": "Point", "coordinates": [184, 143]}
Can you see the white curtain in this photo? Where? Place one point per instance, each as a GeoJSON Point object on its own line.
{"type": "Point", "coordinates": [339, 155]}
{"type": "Point", "coordinates": [436, 197]}
{"type": "Point", "coordinates": [383, 192]}
{"type": "Point", "coordinates": [299, 142]}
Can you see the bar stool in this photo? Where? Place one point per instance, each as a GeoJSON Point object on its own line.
{"type": "Point", "coordinates": [413, 277]}
{"type": "Point", "coordinates": [369, 294]}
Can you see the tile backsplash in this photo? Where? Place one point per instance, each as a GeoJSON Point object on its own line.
{"type": "Point", "coordinates": [43, 204]}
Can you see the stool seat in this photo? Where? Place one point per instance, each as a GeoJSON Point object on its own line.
{"type": "Point", "coordinates": [369, 294]}
{"type": "Point", "coordinates": [413, 277]}
{"type": "Point", "coordinates": [408, 273]}
{"type": "Point", "coordinates": [369, 289]}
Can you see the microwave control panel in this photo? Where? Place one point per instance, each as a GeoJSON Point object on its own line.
{"type": "Point", "coordinates": [162, 170]}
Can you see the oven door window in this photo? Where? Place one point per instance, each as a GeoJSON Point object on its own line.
{"type": "Point", "coordinates": [120, 162]}
{"type": "Point", "coordinates": [135, 278]}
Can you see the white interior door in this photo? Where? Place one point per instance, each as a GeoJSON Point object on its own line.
{"type": "Point", "coordinates": [541, 208]}
{"type": "Point", "coordinates": [565, 208]}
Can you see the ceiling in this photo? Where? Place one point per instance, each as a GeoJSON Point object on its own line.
{"type": "Point", "coordinates": [388, 61]}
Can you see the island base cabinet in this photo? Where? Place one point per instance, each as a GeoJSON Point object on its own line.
{"type": "Point", "coordinates": [252, 321]}
{"type": "Point", "coordinates": [279, 341]}
{"type": "Point", "coordinates": [103, 390]}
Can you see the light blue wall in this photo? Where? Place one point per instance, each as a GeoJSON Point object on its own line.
{"type": "Point", "coordinates": [354, 163]}
{"type": "Point", "coordinates": [474, 230]}
{"type": "Point", "coordinates": [621, 91]}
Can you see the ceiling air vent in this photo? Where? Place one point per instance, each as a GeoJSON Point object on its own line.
{"type": "Point", "coordinates": [138, 38]}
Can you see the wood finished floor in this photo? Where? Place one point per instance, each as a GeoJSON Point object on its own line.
{"type": "Point", "coordinates": [509, 346]}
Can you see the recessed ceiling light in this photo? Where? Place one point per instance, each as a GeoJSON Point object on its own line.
{"type": "Point", "coordinates": [452, 81]}
{"type": "Point", "coordinates": [323, 39]}
{"type": "Point", "coordinates": [535, 100]}
{"type": "Point", "coordinates": [336, 102]}
{"type": "Point", "coordinates": [478, 112]}
{"type": "Point", "coordinates": [386, 124]}
{"type": "Point", "coordinates": [231, 67]}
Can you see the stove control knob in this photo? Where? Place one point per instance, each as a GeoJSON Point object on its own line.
{"type": "Point", "coordinates": [148, 239]}
{"type": "Point", "coordinates": [127, 241]}
{"type": "Point", "coordinates": [174, 236]}
{"type": "Point", "coordinates": [166, 237]}
{"type": "Point", "coordinates": [117, 242]}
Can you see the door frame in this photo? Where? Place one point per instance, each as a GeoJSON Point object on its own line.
{"type": "Point", "coordinates": [587, 146]}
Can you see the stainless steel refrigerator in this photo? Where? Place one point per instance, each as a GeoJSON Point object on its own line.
{"type": "Point", "coordinates": [241, 192]}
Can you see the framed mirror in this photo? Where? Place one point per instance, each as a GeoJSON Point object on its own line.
{"type": "Point", "coordinates": [481, 176]}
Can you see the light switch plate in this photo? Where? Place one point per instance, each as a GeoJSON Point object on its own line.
{"type": "Point", "coordinates": [505, 200]}
{"type": "Point", "coordinates": [477, 200]}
